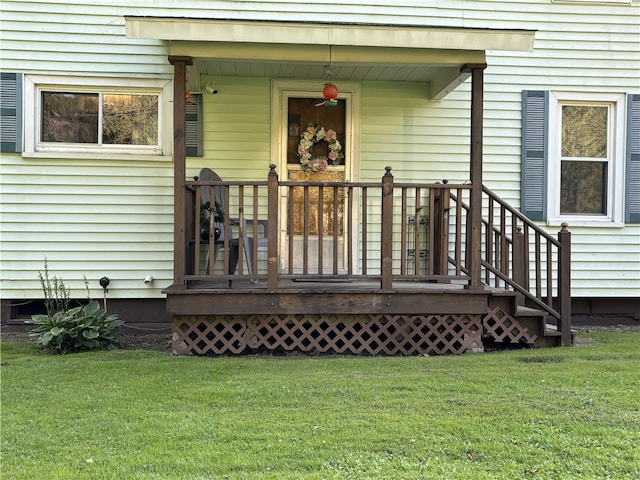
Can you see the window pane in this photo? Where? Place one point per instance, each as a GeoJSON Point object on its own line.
{"type": "Point", "coordinates": [130, 120]}
{"type": "Point", "coordinates": [70, 117]}
{"type": "Point", "coordinates": [584, 131]}
{"type": "Point", "coordinates": [583, 187]}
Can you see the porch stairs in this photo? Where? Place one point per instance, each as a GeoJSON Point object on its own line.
{"type": "Point", "coordinates": [509, 324]}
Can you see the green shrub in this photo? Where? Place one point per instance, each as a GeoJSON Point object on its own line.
{"type": "Point", "coordinates": [81, 328]}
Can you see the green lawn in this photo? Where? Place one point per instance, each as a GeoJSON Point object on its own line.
{"type": "Point", "coordinates": [563, 413]}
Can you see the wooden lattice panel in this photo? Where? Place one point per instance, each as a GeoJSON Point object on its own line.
{"type": "Point", "coordinates": [504, 328]}
{"type": "Point", "coordinates": [205, 336]}
{"type": "Point", "coordinates": [353, 334]}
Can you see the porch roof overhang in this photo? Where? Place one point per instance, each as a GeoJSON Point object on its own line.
{"type": "Point", "coordinates": [355, 52]}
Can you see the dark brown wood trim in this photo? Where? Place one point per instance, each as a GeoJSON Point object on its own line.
{"type": "Point", "coordinates": [475, 244]}
{"type": "Point", "coordinates": [179, 167]}
{"type": "Point", "coordinates": [238, 302]}
{"type": "Point", "coordinates": [387, 230]}
{"type": "Point", "coordinates": [272, 232]}
{"type": "Point", "coordinates": [564, 284]}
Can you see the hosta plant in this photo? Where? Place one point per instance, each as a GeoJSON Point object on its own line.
{"type": "Point", "coordinates": [87, 327]}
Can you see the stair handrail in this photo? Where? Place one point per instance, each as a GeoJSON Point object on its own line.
{"type": "Point", "coordinates": [520, 226]}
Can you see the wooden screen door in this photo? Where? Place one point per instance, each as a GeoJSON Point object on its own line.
{"type": "Point", "coordinates": [328, 162]}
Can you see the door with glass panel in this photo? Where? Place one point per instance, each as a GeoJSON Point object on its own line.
{"type": "Point", "coordinates": [313, 217]}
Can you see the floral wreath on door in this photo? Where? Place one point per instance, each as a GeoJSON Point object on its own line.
{"type": "Point", "coordinates": [313, 135]}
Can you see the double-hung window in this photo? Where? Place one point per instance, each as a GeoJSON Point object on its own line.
{"type": "Point", "coordinates": [574, 157]}
{"type": "Point", "coordinates": [81, 117]}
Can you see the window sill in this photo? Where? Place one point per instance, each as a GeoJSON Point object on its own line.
{"type": "Point", "coordinates": [98, 156]}
{"type": "Point", "coordinates": [582, 222]}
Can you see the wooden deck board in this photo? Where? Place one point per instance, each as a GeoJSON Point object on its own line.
{"type": "Point", "coordinates": [357, 297]}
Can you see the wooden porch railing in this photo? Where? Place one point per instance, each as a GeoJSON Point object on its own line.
{"type": "Point", "coordinates": [383, 231]}
{"type": "Point", "coordinates": [378, 230]}
{"type": "Point", "coordinates": [517, 254]}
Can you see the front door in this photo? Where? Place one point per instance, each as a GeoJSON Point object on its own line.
{"type": "Point", "coordinates": [315, 148]}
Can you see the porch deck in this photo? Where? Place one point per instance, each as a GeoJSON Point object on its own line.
{"type": "Point", "coordinates": [391, 301]}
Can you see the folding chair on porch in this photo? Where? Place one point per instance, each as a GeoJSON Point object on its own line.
{"type": "Point", "coordinates": [213, 213]}
{"type": "Point", "coordinates": [259, 236]}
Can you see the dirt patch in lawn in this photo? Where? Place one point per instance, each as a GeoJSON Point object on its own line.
{"type": "Point", "coordinates": [146, 341]}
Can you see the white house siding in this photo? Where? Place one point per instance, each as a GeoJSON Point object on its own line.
{"type": "Point", "coordinates": [587, 47]}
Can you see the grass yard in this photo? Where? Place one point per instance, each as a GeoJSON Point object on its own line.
{"type": "Point", "coordinates": [564, 413]}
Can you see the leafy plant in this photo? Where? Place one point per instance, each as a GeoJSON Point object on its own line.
{"type": "Point", "coordinates": [86, 327]}
{"type": "Point", "coordinates": [63, 329]}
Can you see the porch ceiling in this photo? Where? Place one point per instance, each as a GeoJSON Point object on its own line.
{"type": "Point", "coordinates": [355, 52]}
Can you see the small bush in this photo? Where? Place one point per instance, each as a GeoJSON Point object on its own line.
{"type": "Point", "coordinates": [65, 330]}
{"type": "Point", "coordinates": [81, 328]}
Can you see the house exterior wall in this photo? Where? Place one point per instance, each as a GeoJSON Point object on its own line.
{"type": "Point", "coordinates": [92, 217]}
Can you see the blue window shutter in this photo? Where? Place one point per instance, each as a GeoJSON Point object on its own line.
{"type": "Point", "coordinates": [193, 127]}
{"type": "Point", "coordinates": [10, 112]}
{"type": "Point", "coordinates": [632, 184]}
{"type": "Point", "coordinates": [535, 108]}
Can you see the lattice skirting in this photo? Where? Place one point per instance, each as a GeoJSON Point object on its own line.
{"type": "Point", "coordinates": [352, 334]}
{"type": "Point", "coordinates": [504, 328]}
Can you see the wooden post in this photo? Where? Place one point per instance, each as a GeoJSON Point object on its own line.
{"type": "Point", "coordinates": [564, 284]}
{"type": "Point", "coordinates": [387, 231]}
{"type": "Point", "coordinates": [518, 262]}
{"type": "Point", "coordinates": [272, 232]}
{"type": "Point", "coordinates": [179, 167]}
{"type": "Point", "coordinates": [440, 250]}
{"type": "Point", "coordinates": [474, 244]}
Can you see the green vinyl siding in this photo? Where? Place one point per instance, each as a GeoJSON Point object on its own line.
{"type": "Point", "coordinates": [115, 218]}
{"type": "Point", "coordinates": [88, 219]}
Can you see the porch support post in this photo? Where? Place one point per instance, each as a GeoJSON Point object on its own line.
{"type": "Point", "coordinates": [179, 167]}
{"type": "Point", "coordinates": [564, 285]}
{"type": "Point", "coordinates": [475, 242]}
{"type": "Point", "coordinates": [272, 232]}
{"type": "Point", "coordinates": [387, 231]}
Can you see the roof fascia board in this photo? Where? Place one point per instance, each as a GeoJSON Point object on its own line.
{"type": "Point", "coordinates": [322, 54]}
{"type": "Point", "coordinates": [363, 35]}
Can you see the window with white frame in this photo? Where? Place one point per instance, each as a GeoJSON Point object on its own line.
{"type": "Point", "coordinates": [87, 116]}
{"type": "Point", "coordinates": [585, 158]}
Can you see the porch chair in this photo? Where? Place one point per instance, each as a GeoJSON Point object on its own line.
{"type": "Point", "coordinates": [259, 236]}
{"type": "Point", "coordinates": [208, 175]}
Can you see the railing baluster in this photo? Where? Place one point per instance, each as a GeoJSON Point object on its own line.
{"type": "Point", "coordinates": [490, 244]}
{"type": "Point", "coordinates": [504, 258]}
{"type": "Point", "coordinates": [403, 232]}
{"type": "Point", "coordinates": [196, 233]}
{"type": "Point", "coordinates": [350, 231]}
{"type": "Point", "coordinates": [255, 229]}
{"type": "Point", "coordinates": [525, 259]}
{"type": "Point", "coordinates": [241, 229]}
{"type": "Point", "coordinates": [549, 274]}
{"type": "Point", "coordinates": [320, 227]}
{"type": "Point", "coordinates": [538, 266]}
{"type": "Point", "coordinates": [291, 230]}
{"type": "Point", "coordinates": [416, 234]}
{"type": "Point", "coordinates": [365, 233]}
{"type": "Point", "coordinates": [336, 195]}
{"type": "Point", "coordinates": [458, 232]}
{"type": "Point", "coordinates": [305, 232]}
